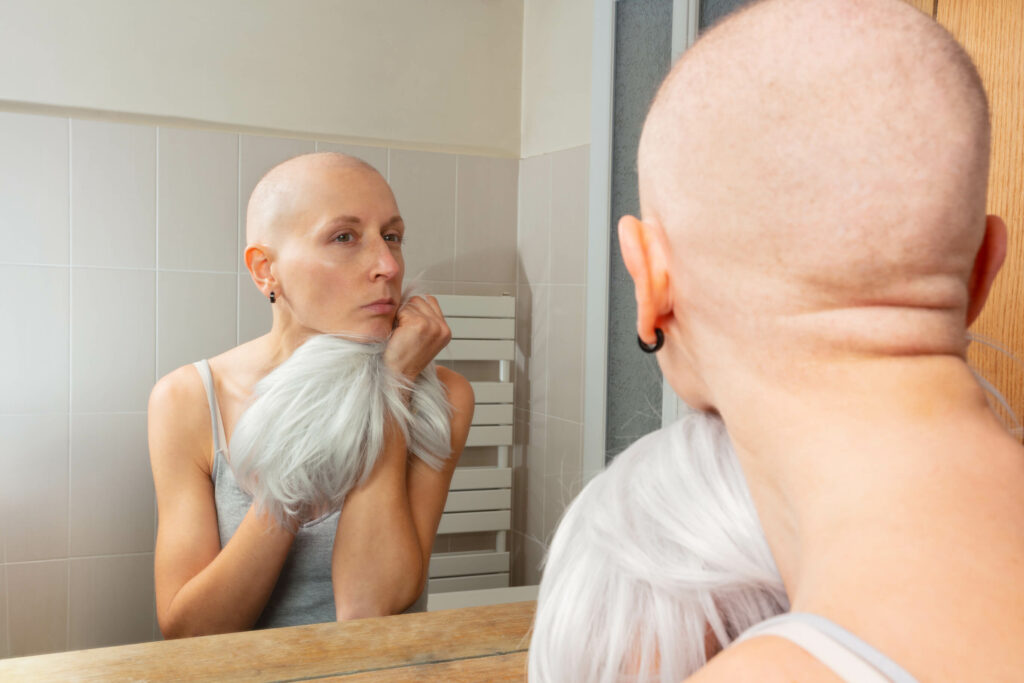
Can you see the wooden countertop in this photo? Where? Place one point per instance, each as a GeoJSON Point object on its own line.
{"type": "Point", "coordinates": [471, 644]}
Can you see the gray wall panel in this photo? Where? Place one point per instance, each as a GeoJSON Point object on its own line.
{"type": "Point", "coordinates": [643, 46]}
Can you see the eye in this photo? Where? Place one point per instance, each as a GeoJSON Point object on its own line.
{"type": "Point", "coordinates": [344, 237]}
{"type": "Point", "coordinates": [398, 238]}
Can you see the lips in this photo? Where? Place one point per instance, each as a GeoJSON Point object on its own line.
{"type": "Point", "coordinates": [381, 306]}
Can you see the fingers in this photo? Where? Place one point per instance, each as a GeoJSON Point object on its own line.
{"type": "Point", "coordinates": [425, 306]}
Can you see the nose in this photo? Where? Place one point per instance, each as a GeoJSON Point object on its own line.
{"type": "Point", "coordinates": [386, 261]}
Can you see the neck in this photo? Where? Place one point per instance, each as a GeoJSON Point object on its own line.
{"type": "Point", "coordinates": [280, 343]}
{"type": "Point", "coordinates": [868, 473]}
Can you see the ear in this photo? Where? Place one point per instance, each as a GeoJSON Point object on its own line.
{"type": "Point", "coordinates": [645, 252]}
{"type": "Point", "coordinates": [987, 263]}
{"type": "Point", "coordinates": [258, 258]}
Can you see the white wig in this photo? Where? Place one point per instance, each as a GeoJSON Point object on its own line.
{"type": "Point", "coordinates": [661, 549]}
{"type": "Point", "coordinates": [317, 424]}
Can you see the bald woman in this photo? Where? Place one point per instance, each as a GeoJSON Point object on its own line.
{"type": "Point", "coordinates": [812, 247]}
{"type": "Point", "coordinates": [324, 245]}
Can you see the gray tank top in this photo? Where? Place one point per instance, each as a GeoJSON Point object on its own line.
{"type": "Point", "coordinates": [304, 593]}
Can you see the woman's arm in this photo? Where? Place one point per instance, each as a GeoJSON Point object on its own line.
{"type": "Point", "coordinates": [427, 487]}
{"type": "Point", "coordinates": [201, 589]}
{"type": "Point", "coordinates": [379, 563]}
{"type": "Point", "coordinates": [376, 566]}
{"type": "Point", "coordinates": [387, 526]}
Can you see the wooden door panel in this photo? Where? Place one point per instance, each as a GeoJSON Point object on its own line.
{"type": "Point", "coordinates": [993, 33]}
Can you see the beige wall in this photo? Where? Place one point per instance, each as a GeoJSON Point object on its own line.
{"type": "Point", "coordinates": [557, 37]}
{"type": "Point", "coordinates": [438, 74]}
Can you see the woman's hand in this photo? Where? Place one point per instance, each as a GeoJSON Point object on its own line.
{"type": "Point", "coordinates": [420, 334]}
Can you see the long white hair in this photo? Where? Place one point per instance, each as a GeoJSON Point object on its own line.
{"type": "Point", "coordinates": [658, 552]}
{"type": "Point", "coordinates": [318, 422]}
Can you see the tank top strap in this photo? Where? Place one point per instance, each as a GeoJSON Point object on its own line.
{"type": "Point", "coordinates": [216, 424]}
{"type": "Point", "coordinates": [849, 657]}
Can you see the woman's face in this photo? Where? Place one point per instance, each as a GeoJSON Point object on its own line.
{"type": "Point", "coordinates": [340, 265]}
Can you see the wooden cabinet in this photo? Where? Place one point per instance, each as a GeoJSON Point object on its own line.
{"type": "Point", "coordinates": [993, 33]}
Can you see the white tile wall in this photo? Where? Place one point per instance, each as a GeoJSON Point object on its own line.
{"type": "Point", "coordinates": [109, 452]}
{"type": "Point", "coordinates": [156, 283]}
{"type": "Point", "coordinates": [113, 194]}
{"type": "Point", "coordinates": [34, 346]}
{"type": "Point", "coordinates": [111, 601]}
{"type": "Point", "coordinates": [424, 186]}
{"type": "Point", "coordinates": [37, 607]}
{"type": "Point", "coordinates": [34, 190]}
{"type": "Point", "coordinates": [197, 317]}
{"type": "Point", "coordinates": [35, 485]}
{"type": "Point", "coordinates": [485, 227]}
{"type": "Point", "coordinates": [534, 220]}
{"type": "Point", "coordinates": [198, 200]}
{"type": "Point", "coordinates": [552, 231]}
{"type": "Point", "coordinates": [113, 328]}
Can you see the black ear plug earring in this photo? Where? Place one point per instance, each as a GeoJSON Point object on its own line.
{"type": "Point", "coordinates": [272, 298]}
{"type": "Point", "coordinates": [648, 348]}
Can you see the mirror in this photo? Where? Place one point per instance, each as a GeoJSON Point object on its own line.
{"type": "Point", "coordinates": [132, 138]}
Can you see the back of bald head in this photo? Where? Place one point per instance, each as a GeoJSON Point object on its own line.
{"type": "Point", "coordinates": [821, 154]}
{"type": "Point", "coordinates": [281, 193]}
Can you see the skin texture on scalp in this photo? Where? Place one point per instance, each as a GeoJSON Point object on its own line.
{"type": "Point", "coordinates": [828, 188]}
{"type": "Point", "coordinates": [280, 195]}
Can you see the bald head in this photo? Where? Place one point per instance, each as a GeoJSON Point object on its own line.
{"type": "Point", "coordinates": [812, 156]}
{"type": "Point", "coordinates": [288, 188]}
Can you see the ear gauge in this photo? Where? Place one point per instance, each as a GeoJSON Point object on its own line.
{"type": "Point", "coordinates": [652, 348]}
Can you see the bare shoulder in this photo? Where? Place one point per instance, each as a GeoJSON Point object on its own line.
{"type": "Point", "coordinates": [179, 419]}
{"type": "Point", "coordinates": [767, 659]}
{"type": "Point", "coordinates": [460, 391]}
{"type": "Point", "coordinates": [460, 395]}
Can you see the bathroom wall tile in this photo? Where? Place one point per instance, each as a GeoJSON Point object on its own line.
{"type": "Point", "coordinates": [257, 155]}
{"type": "Point", "coordinates": [565, 369]}
{"type": "Point", "coordinates": [34, 482]}
{"type": "Point", "coordinates": [375, 156]}
{"type": "Point", "coordinates": [434, 287]}
{"type": "Point", "coordinates": [535, 541]}
{"type": "Point", "coordinates": [112, 601]}
{"type": "Point", "coordinates": [196, 317]}
{"type": "Point", "coordinates": [34, 189]}
{"type": "Point", "coordinates": [113, 194]}
{"type": "Point", "coordinates": [424, 187]}
{"type": "Point", "coordinates": [570, 192]}
{"type": "Point", "coordinates": [485, 229]}
{"type": "Point", "coordinates": [534, 219]}
{"type": "Point", "coordinates": [557, 496]}
{"type": "Point", "coordinates": [34, 346]}
{"type": "Point", "coordinates": [532, 338]}
{"type": "Point", "coordinates": [113, 318]}
{"type": "Point", "coordinates": [564, 452]}
{"type": "Point", "coordinates": [110, 485]}
{"type": "Point", "coordinates": [484, 288]}
{"type": "Point", "coordinates": [37, 607]}
{"type": "Point", "coordinates": [198, 200]}
{"type": "Point", "coordinates": [255, 315]}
